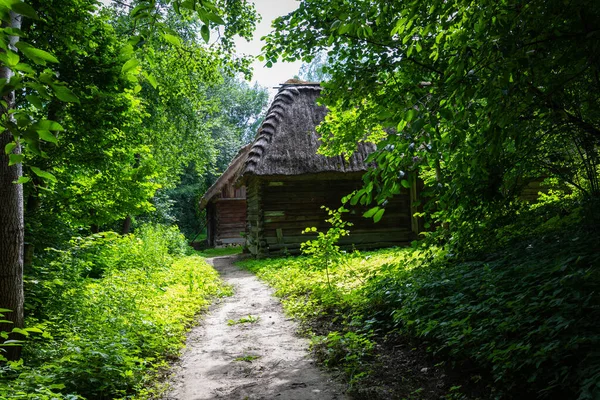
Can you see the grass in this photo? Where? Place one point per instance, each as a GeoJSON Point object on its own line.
{"type": "Point", "coordinates": [250, 319]}
{"type": "Point", "coordinates": [219, 252]}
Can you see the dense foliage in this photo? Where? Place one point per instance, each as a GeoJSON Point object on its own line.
{"type": "Point", "coordinates": [103, 105]}
{"type": "Point", "coordinates": [519, 316]}
{"type": "Point", "coordinates": [478, 99]}
{"type": "Point", "coordinates": [104, 109]}
{"type": "Point", "coordinates": [113, 309]}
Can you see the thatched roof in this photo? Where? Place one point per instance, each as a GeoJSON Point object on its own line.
{"type": "Point", "coordinates": [287, 141]}
{"type": "Point", "coordinates": [228, 176]}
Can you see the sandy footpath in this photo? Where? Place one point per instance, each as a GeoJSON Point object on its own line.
{"type": "Point", "coordinates": [260, 360]}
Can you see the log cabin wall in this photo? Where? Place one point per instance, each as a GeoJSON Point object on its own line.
{"type": "Point", "coordinates": [255, 241]}
{"type": "Point", "coordinates": [280, 208]}
{"type": "Point", "coordinates": [226, 216]}
{"type": "Point", "coordinates": [230, 221]}
{"type": "Point", "coordinates": [210, 224]}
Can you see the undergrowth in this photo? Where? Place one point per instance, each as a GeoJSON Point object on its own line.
{"type": "Point", "coordinates": [519, 312]}
{"type": "Point", "coordinates": [113, 310]}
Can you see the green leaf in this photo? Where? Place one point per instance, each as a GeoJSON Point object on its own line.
{"type": "Point", "coordinates": [174, 40]}
{"type": "Point", "coordinates": [354, 200]}
{"type": "Point", "coordinates": [20, 331]}
{"type": "Point", "coordinates": [12, 343]}
{"type": "Point", "coordinates": [205, 32]}
{"type": "Point", "coordinates": [35, 101]}
{"type": "Point", "coordinates": [63, 93]}
{"type": "Point", "coordinates": [36, 55]}
{"type": "Point", "coordinates": [189, 4]}
{"type": "Point", "coordinates": [136, 11]}
{"type": "Point", "coordinates": [344, 29]}
{"type": "Point", "coordinates": [130, 65]}
{"type": "Point", "coordinates": [15, 159]}
{"type": "Point", "coordinates": [152, 80]}
{"type": "Point", "coordinates": [405, 183]}
{"type": "Point", "coordinates": [43, 174]}
{"type": "Point", "coordinates": [378, 215]}
{"type": "Point", "coordinates": [23, 179]}
{"type": "Point", "coordinates": [48, 125]}
{"type": "Point", "coordinates": [11, 58]}
{"type": "Point", "coordinates": [47, 136]}
{"type": "Point", "coordinates": [371, 212]}
{"type": "Point", "coordinates": [14, 32]}
{"type": "Point", "coordinates": [24, 68]}
{"type": "Point", "coordinates": [9, 147]}
{"type": "Point", "coordinates": [215, 18]}
{"type": "Point", "coordinates": [410, 115]}
{"type": "Point", "coordinates": [127, 50]}
{"type": "Point", "coordinates": [24, 9]}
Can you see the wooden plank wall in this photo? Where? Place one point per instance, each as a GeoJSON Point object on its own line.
{"type": "Point", "coordinates": [210, 224]}
{"type": "Point", "coordinates": [230, 221]}
{"type": "Point", "coordinates": [255, 241]}
{"type": "Point", "coordinates": [289, 206]}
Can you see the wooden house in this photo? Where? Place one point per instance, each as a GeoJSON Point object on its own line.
{"type": "Point", "coordinates": [287, 182]}
{"type": "Point", "coordinates": [225, 205]}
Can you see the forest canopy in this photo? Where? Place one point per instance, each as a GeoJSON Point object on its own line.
{"type": "Point", "coordinates": [478, 99]}
{"type": "Point", "coordinates": [104, 108]}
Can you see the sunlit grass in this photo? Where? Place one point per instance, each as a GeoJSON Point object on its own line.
{"type": "Point", "coordinates": [219, 252]}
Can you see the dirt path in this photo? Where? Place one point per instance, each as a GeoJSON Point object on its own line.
{"type": "Point", "coordinates": [255, 360]}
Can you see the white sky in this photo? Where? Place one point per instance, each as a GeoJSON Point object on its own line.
{"type": "Point", "coordinates": [280, 71]}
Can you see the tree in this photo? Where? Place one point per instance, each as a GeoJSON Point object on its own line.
{"type": "Point", "coordinates": [11, 197]}
{"type": "Point", "coordinates": [475, 98]}
{"type": "Point", "coordinates": [237, 110]}
{"type": "Point", "coordinates": [316, 70]}
{"type": "Point", "coordinates": [27, 131]}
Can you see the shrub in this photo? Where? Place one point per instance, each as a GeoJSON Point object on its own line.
{"type": "Point", "coordinates": [110, 334]}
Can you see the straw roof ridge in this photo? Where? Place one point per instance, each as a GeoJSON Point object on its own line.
{"type": "Point", "coordinates": [287, 141]}
{"type": "Point", "coordinates": [284, 98]}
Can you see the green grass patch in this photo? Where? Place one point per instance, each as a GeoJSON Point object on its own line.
{"type": "Point", "coordinates": [219, 252]}
{"type": "Point", "coordinates": [250, 319]}
{"type": "Point", "coordinates": [247, 358]}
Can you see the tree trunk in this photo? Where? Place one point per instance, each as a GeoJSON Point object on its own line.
{"type": "Point", "coordinates": [32, 205]}
{"type": "Point", "coordinates": [11, 220]}
{"type": "Point", "coordinates": [126, 225]}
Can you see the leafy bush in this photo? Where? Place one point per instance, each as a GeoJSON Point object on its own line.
{"type": "Point", "coordinates": [350, 350]}
{"type": "Point", "coordinates": [324, 250]}
{"type": "Point", "coordinates": [529, 316]}
{"type": "Point", "coordinates": [112, 333]}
